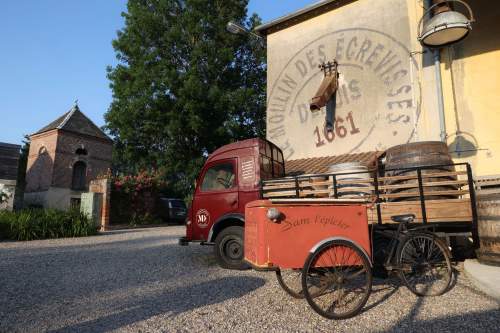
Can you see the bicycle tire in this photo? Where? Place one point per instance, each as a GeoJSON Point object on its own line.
{"type": "Point", "coordinates": [420, 254]}
{"type": "Point", "coordinates": [342, 265]}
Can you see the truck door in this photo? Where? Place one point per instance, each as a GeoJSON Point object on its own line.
{"type": "Point", "coordinates": [216, 195]}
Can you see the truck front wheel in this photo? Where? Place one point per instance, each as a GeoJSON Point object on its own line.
{"type": "Point", "coordinates": [229, 248]}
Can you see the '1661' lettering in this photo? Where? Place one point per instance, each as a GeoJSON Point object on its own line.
{"type": "Point", "coordinates": [342, 126]}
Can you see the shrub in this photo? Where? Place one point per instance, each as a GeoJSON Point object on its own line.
{"type": "Point", "coordinates": [134, 197]}
{"type": "Point", "coordinates": [30, 224]}
{"type": "Point", "coordinates": [143, 219]}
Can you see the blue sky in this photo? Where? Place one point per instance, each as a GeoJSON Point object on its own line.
{"type": "Point", "coordinates": [54, 51]}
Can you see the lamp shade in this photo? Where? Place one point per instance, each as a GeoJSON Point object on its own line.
{"type": "Point", "coordinates": [235, 28]}
{"type": "Point", "coordinates": [445, 28]}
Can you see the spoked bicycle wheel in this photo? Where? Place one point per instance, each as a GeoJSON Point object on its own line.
{"type": "Point", "coordinates": [337, 279]}
{"type": "Point", "coordinates": [425, 266]}
{"type": "Point", "coordinates": [290, 280]}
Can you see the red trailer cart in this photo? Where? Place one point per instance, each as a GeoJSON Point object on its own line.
{"type": "Point", "coordinates": [321, 250]}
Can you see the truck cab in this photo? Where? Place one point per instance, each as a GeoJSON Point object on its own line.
{"type": "Point", "coordinates": [229, 180]}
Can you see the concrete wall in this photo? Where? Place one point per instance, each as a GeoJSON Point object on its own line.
{"type": "Point", "coordinates": [387, 92]}
{"type": "Point", "coordinates": [471, 79]}
{"type": "Point", "coordinates": [54, 197]}
{"type": "Point", "coordinates": [102, 186]}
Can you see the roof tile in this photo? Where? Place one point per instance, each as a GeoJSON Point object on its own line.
{"type": "Point", "coordinates": [75, 121]}
{"type": "Point", "coordinates": [321, 164]}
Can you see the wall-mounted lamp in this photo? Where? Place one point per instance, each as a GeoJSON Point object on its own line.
{"type": "Point", "coordinates": [446, 26]}
{"type": "Point", "coordinates": [237, 29]}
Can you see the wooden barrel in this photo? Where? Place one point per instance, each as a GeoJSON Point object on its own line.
{"type": "Point", "coordinates": [488, 228]}
{"type": "Point", "coordinates": [419, 154]}
{"type": "Point", "coordinates": [356, 174]}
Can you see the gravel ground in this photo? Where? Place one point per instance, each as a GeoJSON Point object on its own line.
{"type": "Point", "coordinates": [142, 281]}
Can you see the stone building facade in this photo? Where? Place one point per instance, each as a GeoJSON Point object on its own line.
{"type": "Point", "coordinates": [64, 157]}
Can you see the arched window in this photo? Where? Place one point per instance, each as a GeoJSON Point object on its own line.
{"type": "Point", "coordinates": [42, 150]}
{"type": "Point", "coordinates": [81, 151]}
{"type": "Point", "coordinates": [79, 176]}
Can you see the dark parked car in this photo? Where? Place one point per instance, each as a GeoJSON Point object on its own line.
{"type": "Point", "coordinates": [172, 210]}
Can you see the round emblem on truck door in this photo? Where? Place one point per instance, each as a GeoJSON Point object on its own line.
{"type": "Point", "coordinates": [202, 218]}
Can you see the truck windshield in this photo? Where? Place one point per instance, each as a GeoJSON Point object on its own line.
{"type": "Point", "coordinates": [271, 162]}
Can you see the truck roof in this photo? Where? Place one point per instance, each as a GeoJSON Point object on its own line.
{"type": "Point", "coordinates": [235, 146]}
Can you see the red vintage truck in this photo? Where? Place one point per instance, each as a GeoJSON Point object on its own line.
{"type": "Point", "coordinates": [239, 173]}
{"type": "Point", "coordinates": [230, 179]}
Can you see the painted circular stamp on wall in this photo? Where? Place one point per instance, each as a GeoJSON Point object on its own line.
{"type": "Point", "coordinates": [378, 100]}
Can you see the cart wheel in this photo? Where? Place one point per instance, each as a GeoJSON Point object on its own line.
{"type": "Point", "coordinates": [337, 279]}
{"type": "Point", "coordinates": [425, 266]}
{"type": "Point", "coordinates": [290, 280]}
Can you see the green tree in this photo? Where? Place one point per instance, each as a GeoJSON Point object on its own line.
{"type": "Point", "coordinates": [184, 86]}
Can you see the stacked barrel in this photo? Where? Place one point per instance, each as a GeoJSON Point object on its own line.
{"type": "Point", "coordinates": [401, 159]}
{"type": "Point", "coordinates": [353, 180]}
{"type": "Point", "coordinates": [488, 209]}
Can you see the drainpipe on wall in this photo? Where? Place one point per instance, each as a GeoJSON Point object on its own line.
{"type": "Point", "coordinates": [439, 89]}
{"type": "Point", "coordinates": [439, 92]}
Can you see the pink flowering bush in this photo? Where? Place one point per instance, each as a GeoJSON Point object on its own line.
{"type": "Point", "coordinates": [134, 197]}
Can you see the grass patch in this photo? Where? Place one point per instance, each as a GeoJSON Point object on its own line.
{"type": "Point", "coordinates": [31, 224]}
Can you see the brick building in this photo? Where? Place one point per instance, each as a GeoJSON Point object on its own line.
{"type": "Point", "coordinates": [64, 157]}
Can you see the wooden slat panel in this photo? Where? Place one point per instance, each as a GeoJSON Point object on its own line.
{"type": "Point", "coordinates": [278, 194]}
{"type": "Point", "coordinates": [413, 194]}
{"type": "Point", "coordinates": [279, 181]}
{"type": "Point", "coordinates": [314, 192]}
{"type": "Point", "coordinates": [339, 182]}
{"type": "Point", "coordinates": [448, 210]}
{"type": "Point", "coordinates": [485, 178]}
{"type": "Point", "coordinates": [308, 186]}
{"type": "Point", "coordinates": [354, 181]}
{"type": "Point", "coordinates": [292, 185]}
{"type": "Point", "coordinates": [489, 182]}
{"type": "Point", "coordinates": [354, 189]}
{"type": "Point", "coordinates": [488, 191]}
{"type": "Point", "coordinates": [321, 183]}
{"type": "Point", "coordinates": [278, 187]}
{"type": "Point", "coordinates": [425, 184]}
{"type": "Point", "coordinates": [428, 175]}
{"type": "Point", "coordinates": [487, 185]}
